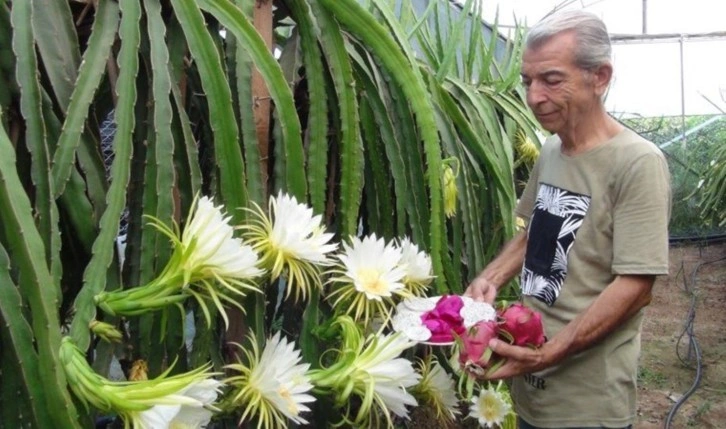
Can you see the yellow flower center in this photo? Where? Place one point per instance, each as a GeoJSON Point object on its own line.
{"type": "Point", "coordinates": [371, 281]}
{"type": "Point", "coordinates": [491, 408]}
{"type": "Point", "coordinates": [291, 405]}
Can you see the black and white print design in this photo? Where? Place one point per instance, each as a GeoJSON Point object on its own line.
{"type": "Point", "coordinates": [556, 218]}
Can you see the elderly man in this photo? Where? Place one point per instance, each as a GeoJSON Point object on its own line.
{"type": "Point", "coordinates": [597, 208]}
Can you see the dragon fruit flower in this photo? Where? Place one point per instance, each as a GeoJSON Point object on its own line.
{"type": "Point", "coordinates": [523, 324]}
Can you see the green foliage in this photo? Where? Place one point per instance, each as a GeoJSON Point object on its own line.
{"type": "Point", "coordinates": [360, 128]}
{"type": "Point", "coordinates": [651, 377]}
{"type": "Point", "coordinates": [697, 165]}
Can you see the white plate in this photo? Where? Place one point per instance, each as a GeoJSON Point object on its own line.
{"type": "Point", "coordinates": [407, 319]}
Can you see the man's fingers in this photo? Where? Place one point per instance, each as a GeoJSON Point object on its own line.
{"type": "Point", "coordinates": [490, 296]}
{"type": "Point", "coordinates": [480, 290]}
{"type": "Point", "coordinates": [503, 349]}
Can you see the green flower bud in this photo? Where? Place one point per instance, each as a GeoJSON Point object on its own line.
{"type": "Point", "coordinates": [105, 331]}
{"type": "Point", "coordinates": [450, 191]}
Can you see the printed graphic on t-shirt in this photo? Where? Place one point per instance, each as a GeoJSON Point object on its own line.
{"type": "Point", "coordinates": [556, 217]}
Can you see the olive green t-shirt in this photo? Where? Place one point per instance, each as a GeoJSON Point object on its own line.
{"type": "Point", "coordinates": [591, 217]}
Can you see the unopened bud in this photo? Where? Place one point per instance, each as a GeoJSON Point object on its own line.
{"type": "Point", "coordinates": [527, 150]}
{"type": "Point", "coordinates": [139, 371]}
{"type": "Point", "coordinates": [450, 191]}
{"type": "Point", "coordinates": [105, 331]}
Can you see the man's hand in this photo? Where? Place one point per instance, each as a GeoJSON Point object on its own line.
{"type": "Point", "coordinates": [519, 360]}
{"type": "Point", "coordinates": [481, 289]}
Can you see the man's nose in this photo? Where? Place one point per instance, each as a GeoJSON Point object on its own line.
{"type": "Point", "coordinates": [535, 94]}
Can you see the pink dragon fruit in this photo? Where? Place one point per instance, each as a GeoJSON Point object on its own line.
{"type": "Point", "coordinates": [445, 320]}
{"type": "Point", "coordinates": [523, 324]}
{"type": "Point", "coordinates": [475, 353]}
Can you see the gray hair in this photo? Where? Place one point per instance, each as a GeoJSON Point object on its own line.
{"type": "Point", "coordinates": [591, 36]}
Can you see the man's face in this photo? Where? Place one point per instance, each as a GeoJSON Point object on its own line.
{"type": "Point", "coordinates": [558, 91]}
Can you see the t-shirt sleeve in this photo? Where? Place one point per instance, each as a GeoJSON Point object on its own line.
{"type": "Point", "coordinates": [640, 218]}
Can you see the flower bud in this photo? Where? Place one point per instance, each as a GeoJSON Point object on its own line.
{"type": "Point", "coordinates": [450, 191]}
{"type": "Point", "coordinates": [105, 331]}
{"type": "Point", "coordinates": [526, 149]}
{"type": "Point", "coordinates": [139, 371]}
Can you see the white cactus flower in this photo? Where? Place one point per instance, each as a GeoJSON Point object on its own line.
{"type": "Point", "coordinates": [368, 276]}
{"type": "Point", "coordinates": [437, 388]}
{"type": "Point", "coordinates": [373, 371]}
{"type": "Point", "coordinates": [292, 242]}
{"type": "Point", "coordinates": [490, 407]}
{"type": "Point", "coordinates": [210, 248]}
{"type": "Point", "coordinates": [417, 266]}
{"type": "Point", "coordinates": [274, 386]}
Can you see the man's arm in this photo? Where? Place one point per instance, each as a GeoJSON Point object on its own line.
{"type": "Point", "coordinates": [620, 301]}
{"type": "Point", "coordinates": [500, 270]}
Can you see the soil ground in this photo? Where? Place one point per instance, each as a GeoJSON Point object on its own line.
{"type": "Point", "coordinates": [694, 291]}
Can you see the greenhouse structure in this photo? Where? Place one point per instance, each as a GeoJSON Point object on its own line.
{"type": "Point", "coordinates": [362, 214]}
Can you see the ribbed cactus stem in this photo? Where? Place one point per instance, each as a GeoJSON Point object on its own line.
{"type": "Point", "coordinates": [25, 243]}
{"type": "Point", "coordinates": [94, 278]}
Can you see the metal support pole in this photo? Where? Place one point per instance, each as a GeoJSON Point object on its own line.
{"type": "Point", "coordinates": [683, 95]}
{"type": "Point", "coordinates": [645, 16]}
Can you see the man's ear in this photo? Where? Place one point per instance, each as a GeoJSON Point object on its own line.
{"type": "Point", "coordinates": [602, 76]}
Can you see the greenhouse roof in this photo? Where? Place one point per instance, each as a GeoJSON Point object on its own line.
{"type": "Point", "coordinates": [666, 53]}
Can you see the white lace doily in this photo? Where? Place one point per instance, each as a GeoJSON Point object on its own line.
{"type": "Point", "coordinates": [407, 319]}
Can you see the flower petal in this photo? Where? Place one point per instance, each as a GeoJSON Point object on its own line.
{"type": "Point", "coordinates": [156, 417]}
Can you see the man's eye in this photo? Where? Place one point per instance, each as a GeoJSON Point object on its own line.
{"type": "Point", "coordinates": [553, 82]}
